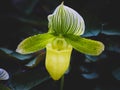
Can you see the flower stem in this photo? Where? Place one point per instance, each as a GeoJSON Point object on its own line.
{"type": "Point", "coordinates": [62, 83]}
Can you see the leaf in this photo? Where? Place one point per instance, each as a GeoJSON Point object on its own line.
{"type": "Point", "coordinates": [3, 87]}
{"type": "Point", "coordinates": [113, 43]}
{"type": "Point", "coordinates": [28, 80]}
{"type": "Point", "coordinates": [21, 57]}
{"type": "Point", "coordinates": [116, 73]}
{"type": "Point", "coordinates": [86, 46]}
{"type": "Point", "coordinates": [111, 31]}
{"type": "Point", "coordinates": [34, 62]}
{"type": "Point", "coordinates": [7, 51]}
{"type": "Point", "coordinates": [95, 58]}
{"type": "Point", "coordinates": [91, 32]}
{"type": "Point", "coordinates": [15, 55]}
{"type": "Point", "coordinates": [90, 75]}
{"type": "Point", "coordinates": [25, 6]}
{"type": "Point", "coordinates": [32, 21]}
{"type": "Point", "coordinates": [89, 71]}
{"type": "Point", "coordinates": [95, 32]}
{"type": "Point", "coordinates": [10, 63]}
{"type": "Point", "coordinates": [34, 43]}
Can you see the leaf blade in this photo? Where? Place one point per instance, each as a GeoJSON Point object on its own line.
{"type": "Point", "coordinates": [29, 79]}
{"type": "Point", "coordinates": [3, 87]}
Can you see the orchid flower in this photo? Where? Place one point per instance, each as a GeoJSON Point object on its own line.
{"type": "Point", "coordinates": [65, 27]}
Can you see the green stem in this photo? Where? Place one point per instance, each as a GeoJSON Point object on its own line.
{"type": "Point", "coordinates": [62, 83]}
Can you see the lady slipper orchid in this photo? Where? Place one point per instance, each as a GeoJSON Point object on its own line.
{"type": "Point", "coordinates": [65, 27]}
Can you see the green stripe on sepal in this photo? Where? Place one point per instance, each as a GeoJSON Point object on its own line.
{"type": "Point", "coordinates": [85, 46]}
{"type": "Point", "coordinates": [34, 43]}
{"type": "Point", "coordinates": [65, 20]}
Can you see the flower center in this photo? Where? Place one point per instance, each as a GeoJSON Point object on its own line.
{"type": "Point", "coordinates": [59, 44]}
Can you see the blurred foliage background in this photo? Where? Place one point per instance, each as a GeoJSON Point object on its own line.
{"type": "Point", "coordinates": [22, 18]}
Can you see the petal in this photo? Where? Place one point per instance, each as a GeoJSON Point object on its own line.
{"type": "Point", "coordinates": [86, 46]}
{"type": "Point", "coordinates": [34, 43]}
{"type": "Point", "coordinates": [57, 61]}
{"type": "Point", "coordinates": [65, 20]}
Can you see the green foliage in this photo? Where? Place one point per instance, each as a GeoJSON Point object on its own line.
{"type": "Point", "coordinates": [116, 73]}
{"type": "Point", "coordinates": [21, 77]}
{"type": "Point", "coordinates": [26, 6]}
{"type": "Point", "coordinates": [3, 87]}
{"type": "Point", "coordinates": [35, 61]}
{"type": "Point", "coordinates": [27, 80]}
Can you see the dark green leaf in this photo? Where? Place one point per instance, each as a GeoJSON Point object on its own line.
{"type": "Point", "coordinates": [90, 75]}
{"type": "Point", "coordinates": [26, 6]}
{"type": "Point", "coordinates": [20, 56]}
{"type": "Point", "coordinates": [7, 51]}
{"type": "Point", "coordinates": [111, 31]}
{"type": "Point", "coordinates": [3, 87]}
{"type": "Point", "coordinates": [28, 80]}
{"type": "Point", "coordinates": [91, 32]}
{"type": "Point", "coordinates": [116, 73]}
{"type": "Point", "coordinates": [30, 20]}
{"type": "Point", "coordinates": [113, 43]}
{"type": "Point", "coordinates": [15, 55]}
{"type": "Point", "coordinates": [34, 62]}
{"type": "Point", "coordinates": [95, 32]}
{"type": "Point", "coordinates": [95, 58]}
{"type": "Point", "coordinates": [10, 63]}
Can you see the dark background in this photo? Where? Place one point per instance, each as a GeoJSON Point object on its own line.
{"type": "Point", "coordinates": [22, 18]}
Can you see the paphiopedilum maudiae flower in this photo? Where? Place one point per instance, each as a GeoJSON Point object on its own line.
{"type": "Point", "coordinates": [65, 27]}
